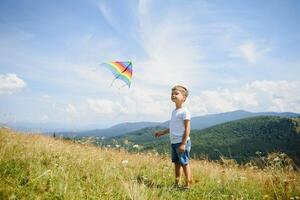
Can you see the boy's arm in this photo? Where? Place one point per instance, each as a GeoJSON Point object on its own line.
{"type": "Point", "coordinates": [187, 129]}
{"type": "Point", "coordinates": [163, 132]}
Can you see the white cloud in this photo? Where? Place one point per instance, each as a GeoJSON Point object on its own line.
{"type": "Point", "coordinates": [102, 106]}
{"type": "Point", "coordinates": [44, 118]}
{"type": "Point", "coordinates": [71, 109]}
{"type": "Point", "coordinates": [106, 12]}
{"type": "Point", "coordinates": [143, 6]}
{"type": "Point", "coordinates": [182, 43]}
{"type": "Point", "coordinates": [149, 104]}
{"type": "Point", "coordinates": [133, 105]}
{"type": "Point", "coordinates": [215, 101]}
{"type": "Point", "coordinates": [9, 83]}
{"type": "Point", "coordinates": [279, 96]}
{"type": "Point", "coordinates": [46, 97]}
{"type": "Point", "coordinates": [250, 51]}
{"type": "Point", "coordinates": [172, 53]}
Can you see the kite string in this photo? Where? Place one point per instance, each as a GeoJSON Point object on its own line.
{"type": "Point", "coordinates": [122, 86]}
{"type": "Point", "coordinates": [112, 82]}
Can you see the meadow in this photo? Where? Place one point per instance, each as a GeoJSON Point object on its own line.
{"type": "Point", "coordinates": [34, 166]}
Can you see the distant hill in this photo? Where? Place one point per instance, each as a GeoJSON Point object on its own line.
{"type": "Point", "coordinates": [26, 126]}
{"type": "Point", "coordinates": [206, 121]}
{"type": "Point", "coordinates": [198, 122]}
{"type": "Point", "coordinates": [239, 139]}
{"type": "Point", "coordinates": [113, 131]}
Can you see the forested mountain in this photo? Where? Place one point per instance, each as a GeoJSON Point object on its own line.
{"type": "Point", "coordinates": [198, 122]}
{"type": "Point", "coordinates": [239, 139]}
{"type": "Point", "coordinates": [205, 121]}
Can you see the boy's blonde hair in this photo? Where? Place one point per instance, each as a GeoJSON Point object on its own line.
{"type": "Point", "coordinates": [182, 89]}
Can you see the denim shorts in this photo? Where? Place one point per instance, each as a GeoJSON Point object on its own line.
{"type": "Point", "coordinates": [182, 158]}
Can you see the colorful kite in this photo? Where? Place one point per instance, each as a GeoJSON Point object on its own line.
{"type": "Point", "coordinates": [121, 70]}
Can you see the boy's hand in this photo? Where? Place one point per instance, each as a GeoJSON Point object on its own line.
{"type": "Point", "coordinates": [181, 148]}
{"type": "Point", "coordinates": [162, 132]}
{"type": "Point", "coordinates": [158, 133]}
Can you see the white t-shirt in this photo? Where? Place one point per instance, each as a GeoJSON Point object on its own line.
{"type": "Point", "coordinates": [177, 124]}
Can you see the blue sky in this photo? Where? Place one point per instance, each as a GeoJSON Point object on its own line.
{"type": "Point", "coordinates": [238, 55]}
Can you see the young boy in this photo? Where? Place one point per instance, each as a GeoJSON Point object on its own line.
{"type": "Point", "coordinates": [179, 129]}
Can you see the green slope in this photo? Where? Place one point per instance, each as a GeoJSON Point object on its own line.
{"type": "Point", "coordinates": [34, 166]}
{"type": "Point", "coordinates": [239, 139]}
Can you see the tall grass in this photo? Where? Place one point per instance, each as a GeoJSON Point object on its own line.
{"type": "Point", "coordinates": [38, 167]}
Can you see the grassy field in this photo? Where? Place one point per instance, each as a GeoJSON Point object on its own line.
{"type": "Point", "coordinates": [39, 167]}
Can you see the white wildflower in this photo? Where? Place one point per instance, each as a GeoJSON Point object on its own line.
{"type": "Point", "coordinates": [124, 162]}
{"type": "Point", "coordinates": [282, 155]}
{"type": "Point", "coordinates": [276, 159]}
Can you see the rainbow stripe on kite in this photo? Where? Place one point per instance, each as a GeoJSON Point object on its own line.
{"type": "Point", "coordinates": [121, 70]}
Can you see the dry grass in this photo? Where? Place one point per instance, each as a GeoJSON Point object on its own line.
{"type": "Point", "coordinates": [38, 167]}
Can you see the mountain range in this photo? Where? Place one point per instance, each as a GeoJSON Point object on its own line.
{"type": "Point", "coordinates": [239, 139]}
{"type": "Point", "coordinates": [199, 122]}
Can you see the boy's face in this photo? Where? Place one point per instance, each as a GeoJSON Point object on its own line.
{"type": "Point", "coordinates": [177, 96]}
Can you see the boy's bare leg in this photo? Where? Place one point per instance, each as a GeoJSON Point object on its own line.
{"type": "Point", "coordinates": [177, 173]}
{"type": "Point", "coordinates": [188, 174]}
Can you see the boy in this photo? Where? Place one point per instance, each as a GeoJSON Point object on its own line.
{"type": "Point", "coordinates": [179, 130]}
